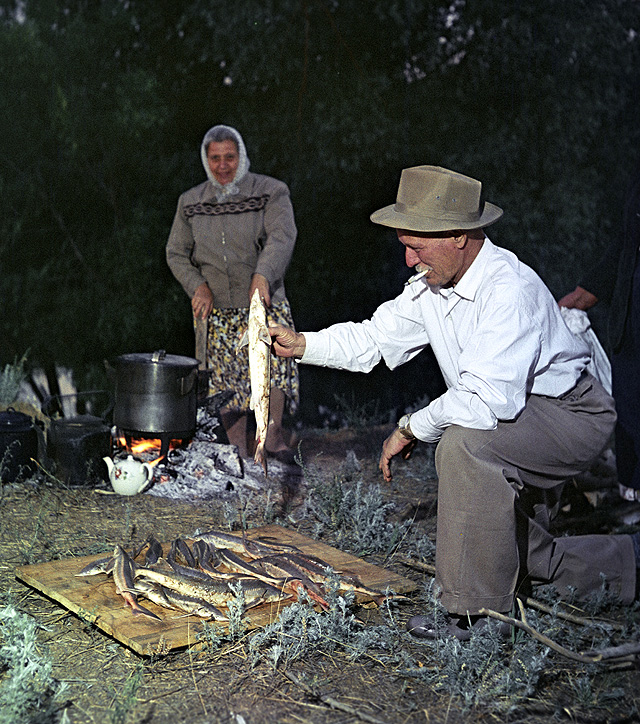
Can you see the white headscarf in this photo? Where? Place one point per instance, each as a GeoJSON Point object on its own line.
{"type": "Point", "coordinates": [222, 133]}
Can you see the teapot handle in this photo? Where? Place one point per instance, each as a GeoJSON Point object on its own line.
{"type": "Point", "coordinates": [148, 476]}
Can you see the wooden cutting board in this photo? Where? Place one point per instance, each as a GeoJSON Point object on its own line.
{"type": "Point", "coordinates": [94, 598]}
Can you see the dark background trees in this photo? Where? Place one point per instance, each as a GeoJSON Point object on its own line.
{"type": "Point", "coordinates": [103, 105]}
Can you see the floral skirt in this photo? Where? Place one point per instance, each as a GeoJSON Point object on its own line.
{"type": "Point", "coordinates": [231, 370]}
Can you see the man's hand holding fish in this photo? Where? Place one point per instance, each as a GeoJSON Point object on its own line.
{"type": "Point", "coordinates": [286, 342]}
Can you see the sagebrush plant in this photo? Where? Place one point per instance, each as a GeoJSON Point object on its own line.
{"type": "Point", "coordinates": [28, 691]}
{"type": "Point", "coordinates": [499, 674]}
{"type": "Point", "coordinates": [249, 511]}
{"type": "Point", "coordinates": [359, 415]}
{"type": "Point", "coordinates": [11, 377]}
{"type": "Point", "coordinates": [236, 608]}
{"type": "Point", "coordinates": [355, 512]}
{"type": "Point", "coordinates": [486, 671]}
{"type": "Point", "coordinates": [595, 633]}
{"type": "Point", "coordinates": [300, 630]}
{"type": "Point", "coordinates": [214, 635]}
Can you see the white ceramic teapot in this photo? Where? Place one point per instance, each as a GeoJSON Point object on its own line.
{"type": "Point", "coordinates": [129, 476]}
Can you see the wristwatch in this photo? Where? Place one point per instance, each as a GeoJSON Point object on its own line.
{"type": "Point", "coordinates": [404, 428]}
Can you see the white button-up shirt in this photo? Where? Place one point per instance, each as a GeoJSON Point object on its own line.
{"type": "Point", "coordinates": [497, 336]}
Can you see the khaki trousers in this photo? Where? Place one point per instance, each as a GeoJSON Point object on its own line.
{"type": "Point", "coordinates": [498, 490]}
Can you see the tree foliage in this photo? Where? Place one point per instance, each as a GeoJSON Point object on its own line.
{"type": "Point", "coordinates": [103, 105]}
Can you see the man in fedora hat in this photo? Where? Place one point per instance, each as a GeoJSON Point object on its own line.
{"type": "Point", "coordinates": [520, 415]}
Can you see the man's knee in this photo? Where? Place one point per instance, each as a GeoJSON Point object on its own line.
{"type": "Point", "coordinates": [462, 442]}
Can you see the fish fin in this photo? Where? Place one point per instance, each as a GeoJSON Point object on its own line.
{"type": "Point", "coordinates": [145, 612]}
{"type": "Point", "coordinates": [264, 336]}
{"type": "Point", "coordinates": [244, 341]}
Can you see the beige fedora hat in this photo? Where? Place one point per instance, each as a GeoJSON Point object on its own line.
{"type": "Point", "coordinates": [435, 199]}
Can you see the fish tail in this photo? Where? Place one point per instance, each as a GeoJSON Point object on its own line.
{"type": "Point", "coordinates": [139, 609]}
{"type": "Point", "coordinates": [297, 586]}
{"type": "Point", "coordinates": [260, 456]}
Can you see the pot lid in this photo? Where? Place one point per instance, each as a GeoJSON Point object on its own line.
{"type": "Point", "coordinates": [79, 421]}
{"type": "Point", "coordinates": [11, 419]}
{"type": "Point", "coordinates": [160, 358]}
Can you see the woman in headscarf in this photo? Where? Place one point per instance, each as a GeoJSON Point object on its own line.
{"type": "Point", "coordinates": [231, 235]}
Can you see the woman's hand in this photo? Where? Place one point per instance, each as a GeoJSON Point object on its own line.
{"type": "Point", "coordinates": [260, 283]}
{"type": "Point", "coordinates": [286, 342]}
{"type": "Point", "coordinates": [202, 301]}
{"type": "Point", "coordinates": [395, 444]}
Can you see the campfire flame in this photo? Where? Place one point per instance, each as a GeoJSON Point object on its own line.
{"type": "Point", "coordinates": [145, 446]}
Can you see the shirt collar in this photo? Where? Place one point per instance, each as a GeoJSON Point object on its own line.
{"type": "Point", "coordinates": [467, 287]}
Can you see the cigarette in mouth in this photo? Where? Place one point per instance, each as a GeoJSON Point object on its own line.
{"type": "Point", "coordinates": [415, 277]}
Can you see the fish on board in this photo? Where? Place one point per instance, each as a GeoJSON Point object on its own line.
{"type": "Point", "coordinates": [234, 562]}
{"type": "Point", "coordinates": [181, 553]}
{"type": "Point", "coordinates": [173, 599]}
{"type": "Point", "coordinates": [123, 576]}
{"type": "Point", "coordinates": [250, 547]}
{"type": "Point", "coordinates": [102, 565]}
{"type": "Point", "coordinates": [154, 551]}
{"type": "Point", "coordinates": [218, 593]}
{"type": "Point", "coordinates": [259, 340]}
{"type": "Point", "coordinates": [296, 577]}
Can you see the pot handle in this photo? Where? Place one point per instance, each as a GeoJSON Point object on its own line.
{"type": "Point", "coordinates": [186, 384]}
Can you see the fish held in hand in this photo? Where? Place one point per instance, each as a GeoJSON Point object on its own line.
{"type": "Point", "coordinates": [259, 340]}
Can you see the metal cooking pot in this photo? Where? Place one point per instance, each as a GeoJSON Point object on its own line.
{"type": "Point", "coordinates": [18, 445]}
{"type": "Point", "coordinates": [156, 393]}
{"type": "Point", "coordinates": [76, 446]}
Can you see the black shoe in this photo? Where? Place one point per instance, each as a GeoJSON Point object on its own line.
{"type": "Point", "coordinates": [427, 627]}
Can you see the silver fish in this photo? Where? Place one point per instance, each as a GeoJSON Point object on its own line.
{"type": "Point", "coordinates": [172, 599]}
{"type": "Point", "coordinates": [259, 341]}
{"type": "Point", "coordinates": [253, 548]}
{"type": "Point", "coordinates": [102, 565]}
{"type": "Point", "coordinates": [235, 563]}
{"type": "Point", "coordinates": [218, 593]}
{"type": "Point", "coordinates": [181, 553]}
{"type": "Point", "coordinates": [123, 574]}
{"type": "Point", "coordinates": [194, 606]}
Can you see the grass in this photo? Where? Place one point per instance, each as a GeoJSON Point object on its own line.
{"type": "Point", "coordinates": [125, 698]}
{"type": "Point", "coordinates": [352, 412]}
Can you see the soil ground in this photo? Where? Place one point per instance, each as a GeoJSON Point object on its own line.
{"type": "Point", "coordinates": [43, 520]}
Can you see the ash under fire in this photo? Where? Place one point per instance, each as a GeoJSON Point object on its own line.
{"type": "Point", "coordinates": [206, 469]}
